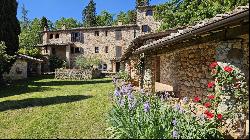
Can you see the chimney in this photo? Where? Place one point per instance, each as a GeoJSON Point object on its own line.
{"type": "Point", "coordinates": [119, 23]}
{"type": "Point", "coordinates": [45, 28]}
{"type": "Point", "coordinates": [63, 27]}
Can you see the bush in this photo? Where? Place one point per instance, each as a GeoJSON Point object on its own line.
{"type": "Point", "coordinates": [123, 75]}
{"type": "Point", "coordinates": [87, 62]}
{"type": "Point", "coordinates": [55, 62]}
{"type": "Point", "coordinates": [143, 116]}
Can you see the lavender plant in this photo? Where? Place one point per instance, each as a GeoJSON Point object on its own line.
{"type": "Point", "coordinates": [141, 115]}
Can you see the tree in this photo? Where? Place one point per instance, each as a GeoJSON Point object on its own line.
{"type": "Point", "coordinates": [104, 19]}
{"type": "Point", "coordinates": [68, 22]}
{"type": "Point", "coordinates": [44, 22]}
{"type": "Point", "coordinates": [126, 18]}
{"type": "Point", "coordinates": [9, 31]}
{"type": "Point", "coordinates": [176, 13]}
{"type": "Point", "coordinates": [24, 18]}
{"type": "Point", "coordinates": [30, 37]}
{"type": "Point", "coordinates": [89, 14]}
{"type": "Point", "coordinates": [142, 2]}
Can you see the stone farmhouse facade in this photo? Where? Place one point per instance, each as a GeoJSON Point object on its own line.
{"type": "Point", "coordinates": [179, 61]}
{"type": "Point", "coordinates": [106, 42]}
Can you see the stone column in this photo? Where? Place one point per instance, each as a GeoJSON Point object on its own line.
{"type": "Point", "coordinates": [68, 55]}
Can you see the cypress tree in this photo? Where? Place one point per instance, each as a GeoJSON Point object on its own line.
{"type": "Point", "coordinates": [44, 22]}
{"type": "Point", "coordinates": [9, 31]}
{"type": "Point", "coordinates": [89, 14]}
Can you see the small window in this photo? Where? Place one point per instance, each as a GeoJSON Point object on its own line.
{"type": "Point", "coordinates": [76, 37]}
{"type": "Point", "coordinates": [72, 50]}
{"type": "Point", "coordinates": [106, 49]}
{"type": "Point", "coordinates": [96, 33]}
{"type": "Point", "coordinates": [54, 51]}
{"type": "Point", "coordinates": [145, 28]}
{"type": "Point", "coordinates": [51, 36]}
{"type": "Point", "coordinates": [104, 67]}
{"type": "Point", "coordinates": [96, 49]}
{"type": "Point", "coordinates": [77, 50]}
{"type": "Point", "coordinates": [149, 13]}
{"type": "Point", "coordinates": [106, 33]}
{"type": "Point", "coordinates": [118, 34]}
{"type": "Point", "coordinates": [57, 35]}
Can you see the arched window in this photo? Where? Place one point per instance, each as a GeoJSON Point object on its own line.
{"type": "Point", "coordinates": [57, 35]}
{"type": "Point", "coordinates": [145, 28]}
{"type": "Point", "coordinates": [50, 36]}
{"type": "Point", "coordinates": [149, 13]}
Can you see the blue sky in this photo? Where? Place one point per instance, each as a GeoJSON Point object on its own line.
{"type": "Point", "coordinates": [55, 9]}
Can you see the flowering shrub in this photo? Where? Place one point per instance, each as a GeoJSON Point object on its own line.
{"type": "Point", "coordinates": [143, 115]}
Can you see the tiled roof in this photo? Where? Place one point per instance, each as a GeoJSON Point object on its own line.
{"type": "Point", "coordinates": [189, 31]}
{"type": "Point", "coordinates": [22, 56]}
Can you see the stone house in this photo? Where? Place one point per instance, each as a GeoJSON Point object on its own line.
{"type": "Point", "coordinates": [180, 61]}
{"type": "Point", "coordinates": [106, 42]}
{"type": "Point", "coordinates": [23, 67]}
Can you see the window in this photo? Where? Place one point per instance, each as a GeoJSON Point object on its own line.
{"type": "Point", "coordinates": [106, 33]}
{"type": "Point", "coordinates": [96, 49]}
{"type": "Point", "coordinates": [118, 51]}
{"type": "Point", "coordinates": [106, 49]}
{"type": "Point", "coordinates": [104, 67]}
{"type": "Point", "coordinates": [57, 35]}
{"type": "Point", "coordinates": [77, 37]}
{"type": "Point", "coordinates": [145, 28]}
{"type": "Point", "coordinates": [54, 51]}
{"type": "Point", "coordinates": [46, 49]}
{"type": "Point", "coordinates": [77, 50]}
{"type": "Point", "coordinates": [96, 33]}
{"type": "Point", "coordinates": [149, 13]}
{"type": "Point", "coordinates": [118, 34]}
{"type": "Point", "coordinates": [72, 50]}
{"type": "Point", "coordinates": [50, 36]}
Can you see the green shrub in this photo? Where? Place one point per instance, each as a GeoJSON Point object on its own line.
{"type": "Point", "coordinates": [87, 62]}
{"type": "Point", "coordinates": [144, 116]}
{"type": "Point", "coordinates": [123, 75]}
{"type": "Point", "coordinates": [55, 62]}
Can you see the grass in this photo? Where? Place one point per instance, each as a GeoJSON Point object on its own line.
{"type": "Point", "coordinates": [43, 107]}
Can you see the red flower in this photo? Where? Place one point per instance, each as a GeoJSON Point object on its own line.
{"type": "Point", "coordinates": [207, 105]}
{"type": "Point", "coordinates": [211, 96]}
{"type": "Point", "coordinates": [210, 84]}
{"type": "Point", "coordinates": [209, 114]}
{"type": "Point", "coordinates": [228, 69]}
{"type": "Point", "coordinates": [219, 116]}
{"type": "Point", "coordinates": [213, 65]}
{"type": "Point", "coordinates": [196, 99]}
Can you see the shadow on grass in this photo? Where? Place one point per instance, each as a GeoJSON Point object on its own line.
{"type": "Point", "coordinates": [33, 102]}
{"type": "Point", "coordinates": [67, 82]}
{"type": "Point", "coordinates": [32, 85]}
{"type": "Point", "coordinates": [22, 86]}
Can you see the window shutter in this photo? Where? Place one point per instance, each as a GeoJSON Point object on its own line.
{"type": "Point", "coordinates": [82, 38]}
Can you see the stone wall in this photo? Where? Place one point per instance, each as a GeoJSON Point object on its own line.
{"type": "Point", "coordinates": [143, 19]}
{"type": "Point", "coordinates": [76, 74]}
{"type": "Point", "coordinates": [18, 71]}
{"type": "Point", "coordinates": [187, 69]}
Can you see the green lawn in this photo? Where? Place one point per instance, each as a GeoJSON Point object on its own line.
{"type": "Point", "coordinates": [43, 107]}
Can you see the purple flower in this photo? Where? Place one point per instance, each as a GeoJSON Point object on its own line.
{"type": "Point", "coordinates": [177, 107]}
{"type": "Point", "coordinates": [146, 106]}
{"type": "Point", "coordinates": [131, 104]}
{"type": "Point", "coordinates": [121, 102]}
{"type": "Point", "coordinates": [167, 94]}
{"type": "Point", "coordinates": [174, 122]}
{"type": "Point", "coordinates": [181, 110]}
{"type": "Point", "coordinates": [142, 91]}
{"type": "Point", "coordinates": [175, 134]}
{"type": "Point", "coordinates": [117, 93]}
{"type": "Point", "coordinates": [185, 100]}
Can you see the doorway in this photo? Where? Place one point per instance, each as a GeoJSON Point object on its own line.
{"type": "Point", "coordinates": [118, 65]}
